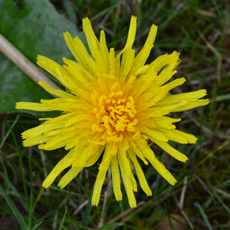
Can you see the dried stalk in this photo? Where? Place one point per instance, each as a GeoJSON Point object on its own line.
{"type": "Point", "coordinates": [23, 63]}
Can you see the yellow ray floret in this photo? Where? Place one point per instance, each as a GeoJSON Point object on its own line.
{"type": "Point", "coordinates": [113, 107]}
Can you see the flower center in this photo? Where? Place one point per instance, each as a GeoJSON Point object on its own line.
{"type": "Point", "coordinates": [115, 116]}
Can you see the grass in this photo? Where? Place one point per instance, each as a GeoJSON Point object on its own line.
{"type": "Point", "coordinates": [200, 199]}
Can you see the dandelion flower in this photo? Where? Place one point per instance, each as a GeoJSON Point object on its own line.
{"type": "Point", "coordinates": [112, 106]}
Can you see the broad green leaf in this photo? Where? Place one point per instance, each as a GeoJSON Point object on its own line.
{"type": "Point", "coordinates": [34, 27]}
{"type": "Point", "coordinates": [16, 86]}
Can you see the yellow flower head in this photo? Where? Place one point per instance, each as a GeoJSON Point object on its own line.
{"type": "Point", "coordinates": [112, 107]}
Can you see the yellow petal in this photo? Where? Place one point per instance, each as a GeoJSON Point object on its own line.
{"type": "Point", "coordinates": [134, 183]}
{"type": "Point", "coordinates": [62, 164]}
{"type": "Point", "coordinates": [132, 31]}
{"type": "Point", "coordinates": [190, 138]}
{"type": "Point", "coordinates": [191, 105]}
{"type": "Point", "coordinates": [153, 133]}
{"type": "Point", "coordinates": [149, 154]}
{"type": "Point", "coordinates": [186, 96]}
{"type": "Point", "coordinates": [170, 150]}
{"type": "Point", "coordinates": [140, 175]}
{"type": "Point", "coordinates": [112, 61]}
{"type": "Point", "coordinates": [104, 50]}
{"type": "Point", "coordinates": [56, 92]}
{"type": "Point", "coordinates": [94, 44]}
{"type": "Point", "coordinates": [171, 135]}
{"type": "Point", "coordinates": [164, 66]}
{"type": "Point", "coordinates": [40, 130]}
{"type": "Point", "coordinates": [138, 152]}
{"type": "Point", "coordinates": [52, 67]}
{"type": "Point", "coordinates": [175, 83]}
{"type": "Point", "coordinates": [127, 62]}
{"type": "Point", "coordinates": [89, 156]}
{"type": "Point", "coordinates": [77, 49]}
{"type": "Point", "coordinates": [74, 69]}
{"type": "Point", "coordinates": [127, 182]}
{"type": "Point", "coordinates": [33, 106]}
{"type": "Point", "coordinates": [151, 36]}
{"type": "Point", "coordinates": [179, 136]}
{"type": "Point", "coordinates": [35, 140]}
{"type": "Point", "coordinates": [70, 175]}
{"type": "Point", "coordinates": [142, 57]}
{"type": "Point", "coordinates": [116, 179]}
{"type": "Point", "coordinates": [99, 182]}
{"type": "Point", "coordinates": [123, 157]}
{"type": "Point", "coordinates": [60, 139]}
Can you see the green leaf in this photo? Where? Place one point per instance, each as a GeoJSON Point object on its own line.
{"type": "Point", "coordinates": [109, 226]}
{"type": "Point", "coordinates": [34, 28]}
{"type": "Point", "coordinates": [16, 86]}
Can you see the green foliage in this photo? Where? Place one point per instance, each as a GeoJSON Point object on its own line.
{"type": "Point", "coordinates": [110, 226]}
{"type": "Point", "coordinates": [33, 27]}
{"type": "Point", "coordinates": [200, 199]}
{"type": "Point", "coordinates": [16, 86]}
{"type": "Point", "coordinates": [14, 209]}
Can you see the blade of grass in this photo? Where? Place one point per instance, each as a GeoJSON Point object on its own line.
{"type": "Point", "coordinates": [15, 192]}
{"type": "Point", "coordinates": [218, 198]}
{"type": "Point", "coordinates": [203, 215]}
{"type": "Point", "coordinates": [30, 209]}
{"type": "Point", "coordinates": [14, 209]}
{"type": "Point", "coordinates": [214, 50]}
{"type": "Point", "coordinates": [1, 159]}
{"type": "Point", "coordinates": [122, 212]}
{"type": "Point", "coordinates": [103, 12]}
{"type": "Point", "coordinates": [9, 131]}
{"type": "Point", "coordinates": [221, 228]}
{"type": "Point", "coordinates": [36, 225]}
{"type": "Point", "coordinates": [21, 165]}
{"type": "Point", "coordinates": [110, 226]}
{"type": "Point", "coordinates": [38, 198]}
{"type": "Point", "coordinates": [222, 97]}
{"type": "Point", "coordinates": [85, 220]}
{"type": "Point", "coordinates": [169, 218]}
{"type": "Point", "coordinates": [63, 219]}
{"type": "Point", "coordinates": [213, 152]}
